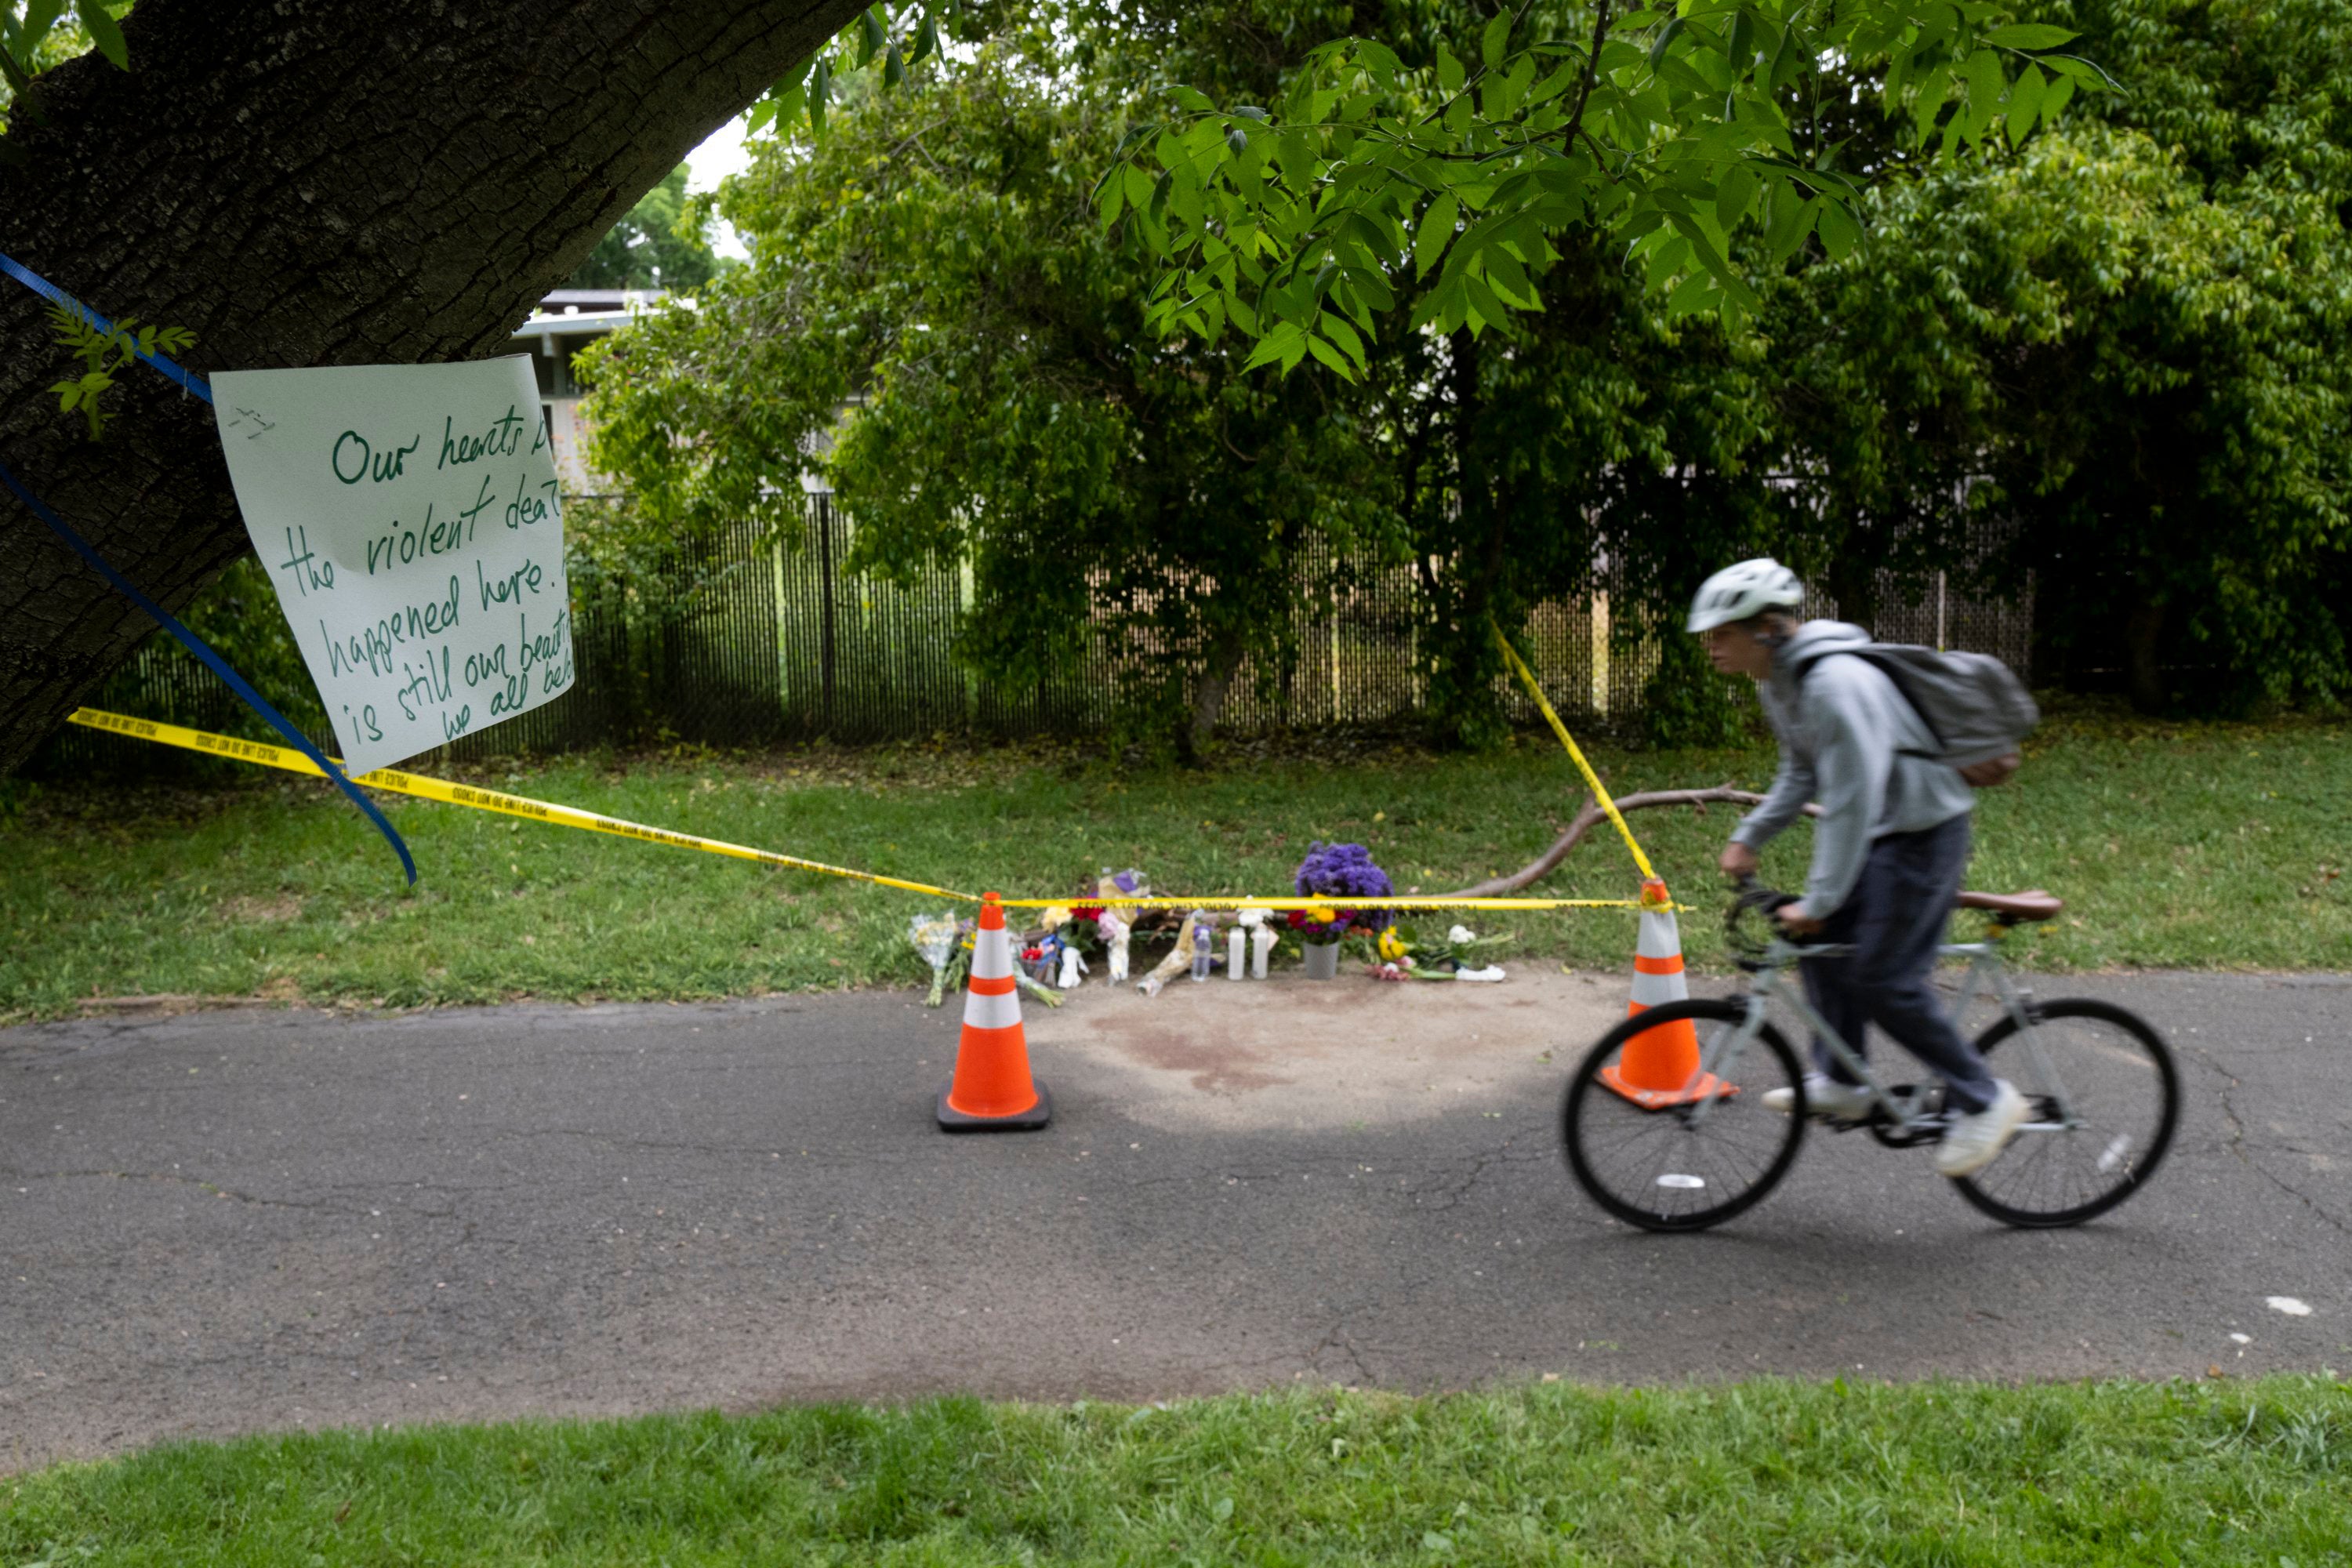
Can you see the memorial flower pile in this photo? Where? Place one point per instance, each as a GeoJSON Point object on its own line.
{"type": "Point", "coordinates": [1344, 874]}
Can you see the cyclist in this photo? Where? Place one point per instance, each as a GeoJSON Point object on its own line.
{"type": "Point", "coordinates": [1888, 850]}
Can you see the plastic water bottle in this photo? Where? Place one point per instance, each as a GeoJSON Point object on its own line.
{"type": "Point", "coordinates": [1236, 941]}
{"type": "Point", "coordinates": [1203, 944]}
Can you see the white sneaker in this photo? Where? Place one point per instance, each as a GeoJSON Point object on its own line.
{"type": "Point", "coordinates": [1825, 1096]}
{"type": "Point", "coordinates": [1972, 1142]}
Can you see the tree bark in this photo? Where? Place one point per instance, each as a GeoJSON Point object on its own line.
{"type": "Point", "coordinates": [1590, 816]}
{"type": "Point", "coordinates": [2144, 650]}
{"type": "Point", "coordinates": [308, 182]}
{"type": "Point", "coordinates": [1214, 684]}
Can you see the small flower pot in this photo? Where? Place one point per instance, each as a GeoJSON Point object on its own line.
{"type": "Point", "coordinates": [1322, 960]}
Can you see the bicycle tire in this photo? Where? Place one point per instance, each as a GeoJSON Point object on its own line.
{"type": "Point", "coordinates": [2135, 1172]}
{"type": "Point", "coordinates": [1586, 1083]}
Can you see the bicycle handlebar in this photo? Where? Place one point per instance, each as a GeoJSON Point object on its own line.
{"type": "Point", "coordinates": [1753, 899]}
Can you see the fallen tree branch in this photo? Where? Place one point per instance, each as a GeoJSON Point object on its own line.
{"type": "Point", "coordinates": [1591, 815]}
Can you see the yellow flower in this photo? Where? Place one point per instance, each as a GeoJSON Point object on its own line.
{"type": "Point", "coordinates": [1392, 946]}
{"type": "Point", "coordinates": [1322, 916]}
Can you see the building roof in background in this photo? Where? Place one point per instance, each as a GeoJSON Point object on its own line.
{"type": "Point", "coordinates": [589, 299]}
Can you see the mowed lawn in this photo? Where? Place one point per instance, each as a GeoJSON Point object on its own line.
{"type": "Point", "coordinates": [1765, 1472]}
{"type": "Point", "coordinates": [2201, 847]}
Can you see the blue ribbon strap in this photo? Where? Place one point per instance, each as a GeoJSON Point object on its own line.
{"type": "Point", "coordinates": [188, 639]}
{"type": "Point", "coordinates": [42, 286]}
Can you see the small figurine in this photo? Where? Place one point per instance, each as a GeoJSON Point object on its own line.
{"type": "Point", "coordinates": [1074, 966]}
{"type": "Point", "coordinates": [1116, 931]}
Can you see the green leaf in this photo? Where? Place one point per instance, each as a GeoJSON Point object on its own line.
{"type": "Point", "coordinates": [1138, 184]}
{"type": "Point", "coordinates": [1665, 40]}
{"type": "Point", "coordinates": [1497, 36]}
{"type": "Point", "coordinates": [1192, 98]}
{"type": "Point", "coordinates": [40, 16]}
{"type": "Point", "coordinates": [894, 69]}
{"type": "Point", "coordinates": [1982, 73]}
{"type": "Point", "coordinates": [104, 32]}
{"type": "Point", "coordinates": [1690, 296]}
{"type": "Point", "coordinates": [927, 39]}
{"type": "Point", "coordinates": [1483, 301]}
{"type": "Point", "coordinates": [1449, 74]}
{"type": "Point", "coordinates": [1933, 88]}
{"type": "Point", "coordinates": [1184, 198]}
{"type": "Point", "coordinates": [1331, 357]}
{"type": "Point", "coordinates": [871, 36]}
{"type": "Point", "coordinates": [1281, 340]}
{"type": "Point", "coordinates": [1733, 195]}
{"type": "Point", "coordinates": [2025, 99]}
{"type": "Point", "coordinates": [819, 91]}
{"type": "Point", "coordinates": [1840, 233]}
{"type": "Point", "coordinates": [1793, 216]}
{"type": "Point", "coordinates": [1296, 159]}
{"type": "Point", "coordinates": [1436, 231]}
{"type": "Point", "coordinates": [1341, 333]}
{"type": "Point", "coordinates": [2029, 35]}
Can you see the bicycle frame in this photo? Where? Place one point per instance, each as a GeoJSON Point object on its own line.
{"type": "Point", "coordinates": [1986, 975]}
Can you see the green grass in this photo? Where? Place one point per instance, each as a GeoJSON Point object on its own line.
{"type": "Point", "coordinates": [1766, 1472]}
{"type": "Point", "coordinates": [2219, 846]}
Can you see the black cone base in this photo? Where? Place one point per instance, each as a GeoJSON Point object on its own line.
{"type": "Point", "coordinates": [1029, 1121]}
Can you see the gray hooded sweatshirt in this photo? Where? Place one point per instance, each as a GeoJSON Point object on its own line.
{"type": "Point", "coordinates": [1843, 740]}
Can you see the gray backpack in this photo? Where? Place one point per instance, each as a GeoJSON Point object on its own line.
{"type": "Point", "coordinates": [1970, 703]}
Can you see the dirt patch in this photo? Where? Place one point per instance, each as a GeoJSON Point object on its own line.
{"type": "Point", "coordinates": [1217, 1067]}
{"type": "Point", "coordinates": [1295, 1053]}
{"type": "Point", "coordinates": [247, 910]}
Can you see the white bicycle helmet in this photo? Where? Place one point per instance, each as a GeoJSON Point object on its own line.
{"type": "Point", "coordinates": [1738, 591]}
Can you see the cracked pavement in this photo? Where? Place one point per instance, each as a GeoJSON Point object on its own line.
{"type": "Point", "coordinates": [247, 1220]}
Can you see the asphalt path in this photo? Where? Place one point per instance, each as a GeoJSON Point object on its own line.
{"type": "Point", "coordinates": [257, 1219]}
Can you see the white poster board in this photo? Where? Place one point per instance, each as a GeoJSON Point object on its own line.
{"type": "Point", "coordinates": [408, 517]}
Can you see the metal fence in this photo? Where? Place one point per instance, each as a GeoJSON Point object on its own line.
{"type": "Point", "coordinates": [730, 641]}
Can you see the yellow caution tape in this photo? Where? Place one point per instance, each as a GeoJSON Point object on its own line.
{"type": "Point", "coordinates": [424, 788]}
{"type": "Point", "coordinates": [1396, 901]}
{"type": "Point", "coordinates": [293, 761]}
{"type": "Point", "coordinates": [1528, 679]}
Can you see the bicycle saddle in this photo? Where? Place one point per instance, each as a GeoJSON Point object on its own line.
{"type": "Point", "coordinates": [2032, 905]}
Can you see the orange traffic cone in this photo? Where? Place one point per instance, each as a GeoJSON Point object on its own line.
{"type": "Point", "coordinates": [992, 1090]}
{"type": "Point", "coordinates": [1659, 1067]}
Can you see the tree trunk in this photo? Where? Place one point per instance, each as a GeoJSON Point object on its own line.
{"type": "Point", "coordinates": [2143, 645]}
{"type": "Point", "coordinates": [1853, 581]}
{"type": "Point", "coordinates": [1209, 692]}
{"type": "Point", "coordinates": [308, 182]}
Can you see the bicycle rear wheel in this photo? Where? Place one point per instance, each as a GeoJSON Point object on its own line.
{"type": "Point", "coordinates": [2104, 1097]}
{"type": "Point", "coordinates": [1685, 1167]}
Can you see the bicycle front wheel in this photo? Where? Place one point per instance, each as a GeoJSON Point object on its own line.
{"type": "Point", "coordinates": [1686, 1165]}
{"type": "Point", "coordinates": [2105, 1097]}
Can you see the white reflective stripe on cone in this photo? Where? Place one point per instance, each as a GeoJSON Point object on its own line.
{"type": "Point", "coordinates": [1656, 990]}
{"type": "Point", "coordinates": [1659, 936]}
{"type": "Point", "coordinates": [982, 1011]}
{"type": "Point", "coordinates": [991, 955]}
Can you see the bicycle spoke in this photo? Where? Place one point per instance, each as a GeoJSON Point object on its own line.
{"type": "Point", "coordinates": [2119, 1102]}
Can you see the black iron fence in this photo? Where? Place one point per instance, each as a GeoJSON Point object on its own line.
{"type": "Point", "coordinates": [730, 641]}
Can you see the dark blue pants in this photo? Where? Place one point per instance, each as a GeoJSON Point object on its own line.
{"type": "Point", "coordinates": [1893, 920]}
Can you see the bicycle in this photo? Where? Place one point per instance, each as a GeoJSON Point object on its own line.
{"type": "Point", "coordinates": [2104, 1093]}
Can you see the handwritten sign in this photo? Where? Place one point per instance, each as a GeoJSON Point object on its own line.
{"type": "Point", "coordinates": [409, 517]}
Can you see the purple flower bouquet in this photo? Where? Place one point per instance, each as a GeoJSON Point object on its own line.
{"type": "Point", "coordinates": [1343, 873]}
